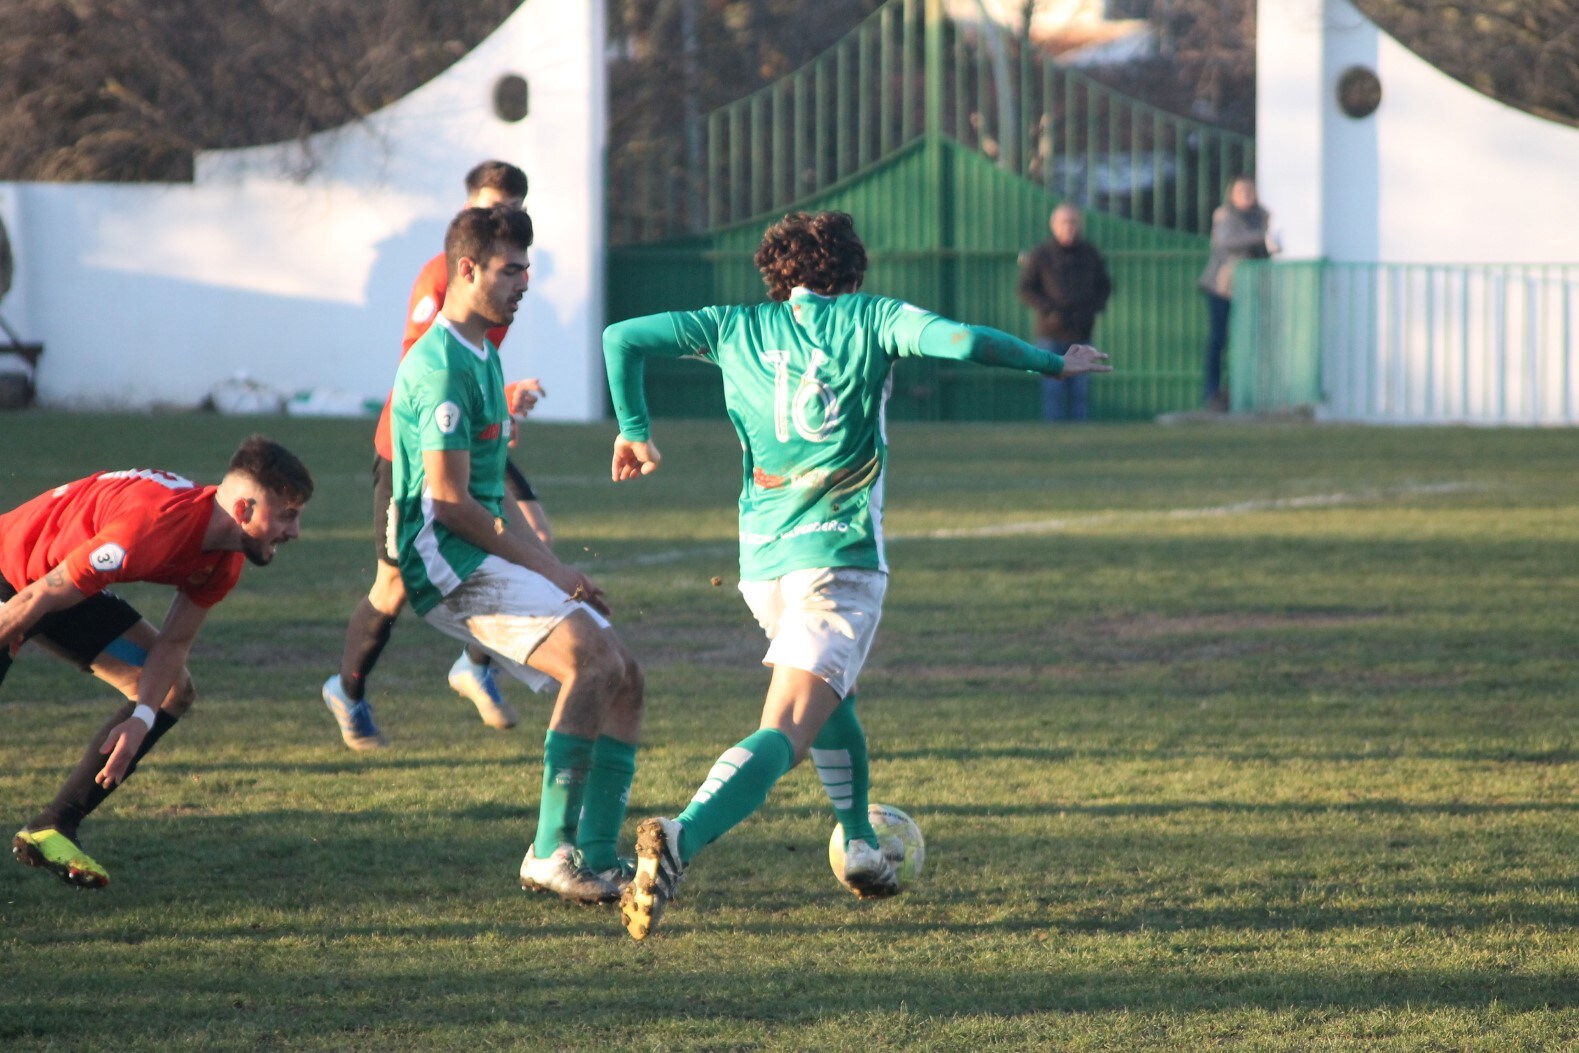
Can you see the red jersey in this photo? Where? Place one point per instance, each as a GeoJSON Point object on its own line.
{"type": "Point", "coordinates": [427, 296]}
{"type": "Point", "coordinates": [136, 525]}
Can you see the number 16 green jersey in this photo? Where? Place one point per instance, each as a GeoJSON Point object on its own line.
{"type": "Point", "coordinates": [805, 383]}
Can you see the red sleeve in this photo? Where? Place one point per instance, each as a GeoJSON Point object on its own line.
{"type": "Point", "coordinates": [124, 549]}
{"type": "Point", "coordinates": [427, 296]}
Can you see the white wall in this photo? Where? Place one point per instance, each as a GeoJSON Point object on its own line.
{"type": "Point", "coordinates": [293, 263]}
{"type": "Point", "coordinates": [1440, 173]}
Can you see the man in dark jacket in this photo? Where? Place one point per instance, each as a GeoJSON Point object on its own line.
{"type": "Point", "coordinates": [1065, 281]}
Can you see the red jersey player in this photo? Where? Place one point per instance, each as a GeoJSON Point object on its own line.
{"type": "Point", "coordinates": [60, 552]}
{"type": "Point", "coordinates": [488, 184]}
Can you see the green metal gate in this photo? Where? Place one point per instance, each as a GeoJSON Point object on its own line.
{"type": "Point", "coordinates": [950, 147]}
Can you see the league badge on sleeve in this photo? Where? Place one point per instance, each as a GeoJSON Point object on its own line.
{"type": "Point", "coordinates": [106, 558]}
{"type": "Point", "coordinates": [447, 417]}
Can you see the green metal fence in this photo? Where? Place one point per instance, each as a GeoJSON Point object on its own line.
{"type": "Point", "coordinates": [949, 147]}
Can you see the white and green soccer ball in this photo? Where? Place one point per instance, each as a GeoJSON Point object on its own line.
{"type": "Point", "coordinates": [897, 835]}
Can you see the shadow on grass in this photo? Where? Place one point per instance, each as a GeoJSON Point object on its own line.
{"type": "Point", "coordinates": [1060, 754]}
{"type": "Point", "coordinates": [298, 924]}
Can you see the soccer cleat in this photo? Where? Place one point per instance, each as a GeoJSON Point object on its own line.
{"type": "Point", "coordinates": [477, 683]}
{"type": "Point", "coordinates": [562, 874]}
{"type": "Point", "coordinates": [658, 875]}
{"type": "Point", "coordinates": [620, 874]}
{"type": "Point", "coordinates": [356, 718]}
{"type": "Point", "coordinates": [868, 872]}
{"type": "Point", "coordinates": [60, 855]}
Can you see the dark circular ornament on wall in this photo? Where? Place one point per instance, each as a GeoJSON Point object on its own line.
{"type": "Point", "coordinates": [1359, 92]}
{"type": "Point", "coordinates": [510, 97]}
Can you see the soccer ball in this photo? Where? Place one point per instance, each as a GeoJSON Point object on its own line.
{"type": "Point", "coordinates": [898, 836]}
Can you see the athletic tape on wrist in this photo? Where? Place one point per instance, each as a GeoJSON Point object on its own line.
{"type": "Point", "coordinates": [144, 714]}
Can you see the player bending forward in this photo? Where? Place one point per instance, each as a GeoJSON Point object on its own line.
{"type": "Point", "coordinates": [805, 380]}
{"type": "Point", "coordinates": [59, 553]}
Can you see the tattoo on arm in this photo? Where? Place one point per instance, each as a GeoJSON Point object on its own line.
{"type": "Point", "coordinates": [55, 578]}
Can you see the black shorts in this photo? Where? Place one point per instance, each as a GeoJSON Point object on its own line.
{"type": "Point", "coordinates": [384, 524]}
{"type": "Point", "coordinates": [81, 632]}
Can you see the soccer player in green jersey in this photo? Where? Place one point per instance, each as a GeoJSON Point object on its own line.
{"type": "Point", "coordinates": [806, 377]}
{"type": "Point", "coordinates": [475, 570]}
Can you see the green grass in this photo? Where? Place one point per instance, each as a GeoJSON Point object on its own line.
{"type": "Point", "coordinates": [1237, 737]}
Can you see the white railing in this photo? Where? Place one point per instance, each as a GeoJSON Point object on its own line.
{"type": "Point", "coordinates": [1409, 343]}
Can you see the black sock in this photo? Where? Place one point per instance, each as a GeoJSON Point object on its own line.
{"type": "Point", "coordinates": [81, 795]}
{"type": "Point", "coordinates": [365, 638]}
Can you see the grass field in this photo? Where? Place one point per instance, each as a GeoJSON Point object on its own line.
{"type": "Point", "coordinates": [1234, 737]}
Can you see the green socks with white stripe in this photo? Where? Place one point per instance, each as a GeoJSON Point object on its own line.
{"type": "Point", "coordinates": [735, 787]}
{"type": "Point", "coordinates": [839, 752]}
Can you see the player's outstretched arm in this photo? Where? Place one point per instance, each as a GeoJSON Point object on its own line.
{"type": "Point", "coordinates": [632, 459]}
{"type": "Point", "coordinates": [163, 668]}
{"type": "Point", "coordinates": [943, 338]}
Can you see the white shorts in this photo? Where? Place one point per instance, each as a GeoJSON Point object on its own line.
{"type": "Point", "coordinates": [508, 611]}
{"type": "Point", "coordinates": [821, 620]}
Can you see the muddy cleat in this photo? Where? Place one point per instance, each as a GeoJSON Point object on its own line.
{"type": "Point", "coordinates": [60, 855]}
{"type": "Point", "coordinates": [563, 875]}
{"type": "Point", "coordinates": [868, 872]}
{"type": "Point", "coordinates": [658, 875]}
{"type": "Point", "coordinates": [476, 682]}
{"type": "Point", "coordinates": [356, 718]}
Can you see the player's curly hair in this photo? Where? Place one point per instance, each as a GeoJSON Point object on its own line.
{"type": "Point", "coordinates": [274, 468]}
{"type": "Point", "coordinates": [818, 250]}
{"type": "Point", "coordinates": [474, 232]}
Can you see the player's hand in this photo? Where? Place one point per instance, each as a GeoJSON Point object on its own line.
{"type": "Point", "coordinates": [522, 395]}
{"type": "Point", "coordinates": [634, 459]}
{"type": "Point", "coordinates": [519, 398]}
{"type": "Point", "coordinates": [584, 590]}
{"type": "Point", "coordinates": [121, 744]}
{"type": "Point", "coordinates": [1083, 358]}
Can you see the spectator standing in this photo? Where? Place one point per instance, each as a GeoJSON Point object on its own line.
{"type": "Point", "coordinates": [1241, 230]}
{"type": "Point", "coordinates": [1065, 281]}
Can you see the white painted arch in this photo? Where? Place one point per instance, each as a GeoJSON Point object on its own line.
{"type": "Point", "coordinates": [292, 263]}
{"type": "Point", "coordinates": [1438, 174]}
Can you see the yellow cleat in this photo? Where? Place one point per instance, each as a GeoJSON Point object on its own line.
{"type": "Point", "coordinates": [60, 855]}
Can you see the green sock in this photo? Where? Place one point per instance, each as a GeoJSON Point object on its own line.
{"type": "Point", "coordinates": [736, 787]}
{"type": "Point", "coordinates": [603, 804]}
{"type": "Point", "coordinates": [839, 752]}
{"type": "Point", "coordinates": [566, 759]}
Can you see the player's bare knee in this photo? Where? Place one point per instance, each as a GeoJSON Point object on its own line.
{"type": "Point", "coordinates": [632, 692]}
{"type": "Point", "coordinates": [601, 667]}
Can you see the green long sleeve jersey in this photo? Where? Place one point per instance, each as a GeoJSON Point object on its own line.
{"type": "Point", "coordinates": [805, 383]}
